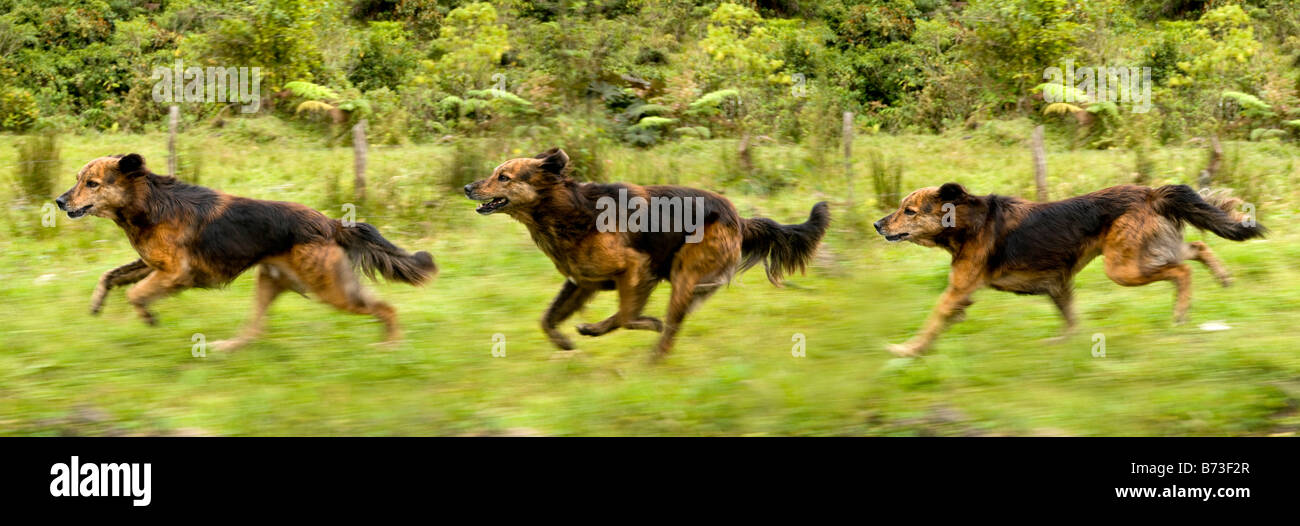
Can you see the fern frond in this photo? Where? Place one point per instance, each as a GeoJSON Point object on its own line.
{"type": "Point", "coordinates": [1060, 108]}
{"type": "Point", "coordinates": [308, 90]}
{"type": "Point", "coordinates": [314, 106]}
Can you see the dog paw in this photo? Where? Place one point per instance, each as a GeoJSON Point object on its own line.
{"type": "Point", "coordinates": [561, 341]}
{"type": "Point", "coordinates": [658, 356]}
{"type": "Point", "coordinates": [649, 323]}
{"type": "Point", "coordinates": [589, 329]}
{"type": "Point", "coordinates": [906, 350]}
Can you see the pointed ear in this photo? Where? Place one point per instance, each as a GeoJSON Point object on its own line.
{"type": "Point", "coordinates": [952, 192]}
{"type": "Point", "coordinates": [553, 160]}
{"type": "Point", "coordinates": [131, 164]}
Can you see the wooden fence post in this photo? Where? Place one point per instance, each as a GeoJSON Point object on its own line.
{"type": "Point", "coordinates": [847, 135]}
{"type": "Point", "coordinates": [1040, 163]}
{"type": "Point", "coordinates": [1212, 168]}
{"type": "Point", "coordinates": [173, 121]}
{"type": "Point", "coordinates": [359, 152]}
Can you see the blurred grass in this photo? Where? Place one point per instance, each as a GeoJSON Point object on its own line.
{"type": "Point", "coordinates": [316, 371]}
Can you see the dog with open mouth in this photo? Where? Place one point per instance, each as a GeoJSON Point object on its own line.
{"type": "Point", "coordinates": [1025, 247]}
{"type": "Point", "coordinates": [562, 216]}
{"type": "Point", "coordinates": [188, 236]}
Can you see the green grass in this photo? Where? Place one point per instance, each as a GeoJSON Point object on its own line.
{"type": "Point", "coordinates": [317, 372]}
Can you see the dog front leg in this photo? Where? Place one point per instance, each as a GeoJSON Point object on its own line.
{"type": "Point", "coordinates": [571, 298]}
{"type": "Point", "coordinates": [153, 287]}
{"type": "Point", "coordinates": [951, 307]}
{"type": "Point", "coordinates": [123, 275]}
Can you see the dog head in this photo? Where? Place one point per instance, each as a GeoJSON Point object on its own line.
{"type": "Point", "coordinates": [103, 186]}
{"type": "Point", "coordinates": [517, 184]}
{"type": "Point", "coordinates": [926, 214]}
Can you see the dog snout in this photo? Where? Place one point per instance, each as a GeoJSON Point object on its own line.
{"type": "Point", "coordinates": [62, 201]}
{"type": "Point", "coordinates": [877, 225]}
{"type": "Point", "coordinates": [469, 190]}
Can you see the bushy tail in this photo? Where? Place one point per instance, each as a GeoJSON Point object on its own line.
{"type": "Point", "coordinates": [375, 255]}
{"type": "Point", "coordinates": [783, 249]}
{"type": "Point", "coordinates": [1217, 212]}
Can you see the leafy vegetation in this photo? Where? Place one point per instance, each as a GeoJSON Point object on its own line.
{"type": "Point", "coordinates": [785, 70]}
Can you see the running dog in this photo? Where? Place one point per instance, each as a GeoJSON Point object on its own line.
{"type": "Point", "coordinates": [189, 236]}
{"type": "Point", "coordinates": [565, 219]}
{"type": "Point", "coordinates": [1036, 248]}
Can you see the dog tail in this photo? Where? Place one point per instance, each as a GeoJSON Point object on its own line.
{"type": "Point", "coordinates": [375, 255]}
{"type": "Point", "coordinates": [1215, 211]}
{"type": "Point", "coordinates": [783, 249]}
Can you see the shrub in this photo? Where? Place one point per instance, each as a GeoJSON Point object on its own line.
{"type": "Point", "coordinates": [18, 110]}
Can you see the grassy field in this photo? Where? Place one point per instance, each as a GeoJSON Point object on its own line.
{"type": "Point", "coordinates": [316, 372]}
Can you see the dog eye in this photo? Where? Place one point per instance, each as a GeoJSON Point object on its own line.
{"type": "Point", "coordinates": [909, 211]}
{"type": "Point", "coordinates": [502, 178]}
{"type": "Point", "coordinates": [91, 184]}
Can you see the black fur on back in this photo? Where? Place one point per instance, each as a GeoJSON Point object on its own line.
{"type": "Point", "coordinates": [662, 245]}
{"type": "Point", "coordinates": [1054, 234]}
{"type": "Point", "coordinates": [783, 249]}
{"type": "Point", "coordinates": [249, 230]}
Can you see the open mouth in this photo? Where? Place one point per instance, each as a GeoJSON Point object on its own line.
{"type": "Point", "coordinates": [491, 205]}
{"type": "Point", "coordinates": [79, 212]}
{"type": "Point", "coordinates": [896, 237]}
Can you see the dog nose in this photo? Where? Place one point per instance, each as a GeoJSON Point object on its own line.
{"type": "Point", "coordinates": [62, 201]}
{"type": "Point", "coordinates": [468, 189]}
{"type": "Point", "coordinates": [877, 225]}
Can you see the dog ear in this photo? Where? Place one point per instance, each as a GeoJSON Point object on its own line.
{"type": "Point", "coordinates": [553, 160]}
{"type": "Point", "coordinates": [952, 192]}
{"type": "Point", "coordinates": [131, 164]}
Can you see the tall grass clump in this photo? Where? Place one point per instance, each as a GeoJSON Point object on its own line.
{"type": "Point", "coordinates": [469, 162]}
{"type": "Point", "coordinates": [38, 166]}
{"type": "Point", "coordinates": [886, 179]}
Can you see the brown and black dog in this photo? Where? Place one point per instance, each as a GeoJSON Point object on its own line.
{"type": "Point", "coordinates": [189, 236]}
{"type": "Point", "coordinates": [562, 215]}
{"type": "Point", "coordinates": [1036, 248]}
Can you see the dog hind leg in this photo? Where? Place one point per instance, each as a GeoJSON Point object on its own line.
{"type": "Point", "coordinates": [269, 286]}
{"type": "Point", "coordinates": [326, 272]}
{"type": "Point", "coordinates": [1199, 251]}
{"type": "Point", "coordinates": [1132, 275]}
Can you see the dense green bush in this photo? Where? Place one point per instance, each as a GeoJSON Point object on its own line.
{"type": "Point", "coordinates": [423, 69]}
